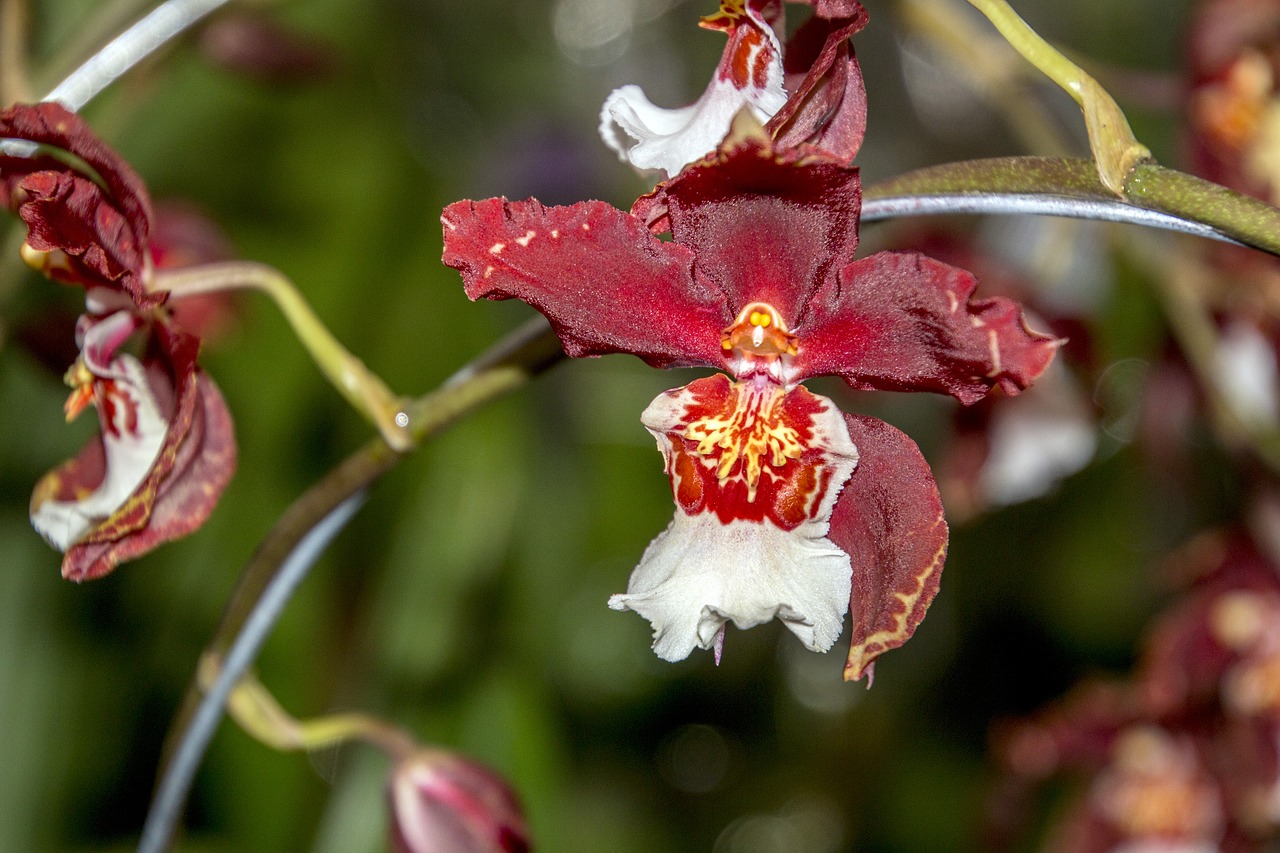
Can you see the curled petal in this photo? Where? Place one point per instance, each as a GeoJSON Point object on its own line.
{"type": "Point", "coordinates": [749, 76]}
{"type": "Point", "coordinates": [72, 500]}
{"type": "Point", "coordinates": [888, 519]}
{"type": "Point", "coordinates": [755, 479]}
{"type": "Point", "coordinates": [166, 452]}
{"type": "Point", "coordinates": [183, 499]}
{"type": "Point", "coordinates": [85, 232]}
{"type": "Point", "coordinates": [899, 321]}
{"type": "Point", "coordinates": [52, 124]}
{"type": "Point", "coordinates": [605, 283]}
{"type": "Point", "coordinates": [827, 107]}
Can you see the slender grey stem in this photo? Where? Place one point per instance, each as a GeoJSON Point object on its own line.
{"type": "Point", "coordinates": [171, 793]}
{"type": "Point", "coordinates": [156, 29]}
{"type": "Point", "coordinates": [1008, 204]}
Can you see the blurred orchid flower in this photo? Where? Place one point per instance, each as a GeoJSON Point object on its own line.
{"type": "Point", "coordinates": [166, 448]}
{"type": "Point", "coordinates": [444, 803]}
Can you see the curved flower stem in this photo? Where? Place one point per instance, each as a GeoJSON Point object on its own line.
{"type": "Point", "coordinates": [361, 387]}
{"type": "Point", "coordinates": [1066, 187]}
{"type": "Point", "coordinates": [258, 713]}
{"type": "Point", "coordinates": [1115, 149]}
{"type": "Point", "coordinates": [152, 32]}
{"type": "Point", "coordinates": [525, 353]}
{"type": "Point", "coordinates": [171, 793]}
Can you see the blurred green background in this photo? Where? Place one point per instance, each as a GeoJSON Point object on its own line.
{"type": "Point", "coordinates": [467, 599]}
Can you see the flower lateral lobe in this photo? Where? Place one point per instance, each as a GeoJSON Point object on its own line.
{"type": "Point", "coordinates": [889, 521]}
{"type": "Point", "coordinates": [755, 470]}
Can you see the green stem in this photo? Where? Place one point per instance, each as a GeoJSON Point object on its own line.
{"type": "Point", "coordinates": [527, 352]}
{"type": "Point", "coordinates": [261, 716]}
{"type": "Point", "coordinates": [361, 387]}
{"type": "Point", "coordinates": [1115, 149]}
{"type": "Point", "coordinates": [1149, 187]}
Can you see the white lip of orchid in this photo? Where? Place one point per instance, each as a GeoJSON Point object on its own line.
{"type": "Point", "coordinates": [701, 573]}
{"type": "Point", "coordinates": [130, 452]}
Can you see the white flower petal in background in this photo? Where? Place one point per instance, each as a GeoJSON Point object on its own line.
{"type": "Point", "coordinates": [651, 137]}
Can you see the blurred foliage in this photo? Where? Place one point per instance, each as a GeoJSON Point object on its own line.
{"type": "Point", "coordinates": [466, 601]}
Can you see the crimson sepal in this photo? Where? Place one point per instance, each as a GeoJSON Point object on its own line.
{"type": "Point", "coordinates": [606, 284]}
{"type": "Point", "coordinates": [898, 321]}
{"type": "Point", "coordinates": [888, 519]}
{"type": "Point", "coordinates": [194, 465]}
{"type": "Point", "coordinates": [767, 226]}
{"type": "Point", "coordinates": [103, 233]}
{"type": "Point", "coordinates": [827, 107]}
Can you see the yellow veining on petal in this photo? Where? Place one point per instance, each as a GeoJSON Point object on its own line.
{"type": "Point", "coordinates": [861, 655]}
{"type": "Point", "coordinates": [749, 434]}
{"type": "Point", "coordinates": [731, 12]}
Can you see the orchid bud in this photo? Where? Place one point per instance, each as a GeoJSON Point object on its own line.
{"type": "Point", "coordinates": [444, 803]}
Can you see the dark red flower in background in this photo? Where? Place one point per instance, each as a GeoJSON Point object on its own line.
{"type": "Point", "coordinates": [166, 448]}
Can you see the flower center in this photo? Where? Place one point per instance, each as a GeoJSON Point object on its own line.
{"type": "Point", "coordinates": [758, 342]}
{"type": "Point", "coordinates": [747, 434]}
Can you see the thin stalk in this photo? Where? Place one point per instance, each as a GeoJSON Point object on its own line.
{"type": "Point", "coordinates": [361, 387]}
{"type": "Point", "coordinates": [522, 355]}
{"type": "Point", "coordinates": [156, 29]}
{"type": "Point", "coordinates": [1116, 151]}
{"type": "Point", "coordinates": [166, 806]}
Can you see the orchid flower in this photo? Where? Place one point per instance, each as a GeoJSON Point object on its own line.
{"type": "Point", "coordinates": [785, 506]}
{"type": "Point", "coordinates": [827, 107]}
{"type": "Point", "coordinates": [166, 448]}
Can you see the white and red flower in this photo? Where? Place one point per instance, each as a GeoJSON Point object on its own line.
{"type": "Point", "coordinates": [166, 448]}
{"type": "Point", "coordinates": [810, 93]}
{"type": "Point", "coordinates": [785, 506]}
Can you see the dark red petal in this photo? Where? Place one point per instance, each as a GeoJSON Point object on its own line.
{"type": "Point", "coordinates": [52, 124]}
{"type": "Point", "coordinates": [827, 107]}
{"type": "Point", "coordinates": [765, 226]}
{"type": "Point", "coordinates": [899, 321]}
{"type": "Point", "coordinates": [606, 284]}
{"type": "Point", "coordinates": [888, 519]}
{"type": "Point", "coordinates": [68, 213]}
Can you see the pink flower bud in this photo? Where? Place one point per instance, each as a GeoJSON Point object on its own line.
{"type": "Point", "coordinates": [443, 803]}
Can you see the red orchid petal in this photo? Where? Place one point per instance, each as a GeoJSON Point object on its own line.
{"type": "Point", "coordinates": [888, 519]}
{"type": "Point", "coordinates": [52, 124]}
{"type": "Point", "coordinates": [606, 284]}
{"type": "Point", "coordinates": [899, 321]}
{"type": "Point", "coordinates": [70, 214]}
{"type": "Point", "coordinates": [763, 226]}
{"type": "Point", "coordinates": [100, 235]}
{"type": "Point", "coordinates": [827, 107]}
